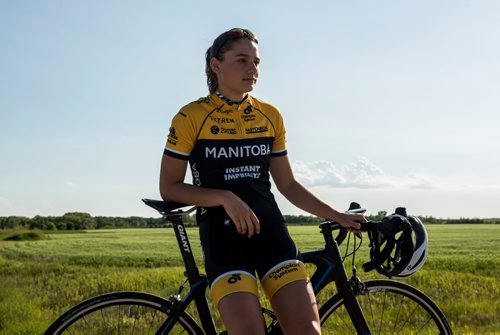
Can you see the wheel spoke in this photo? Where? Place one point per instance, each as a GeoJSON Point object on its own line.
{"type": "Point", "coordinates": [389, 308]}
{"type": "Point", "coordinates": [396, 321]}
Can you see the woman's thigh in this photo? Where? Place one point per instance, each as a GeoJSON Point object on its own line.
{"type": "Point", "coordinates": [242, 314]}
{"type": "Point", "coordinates": [296, 308]}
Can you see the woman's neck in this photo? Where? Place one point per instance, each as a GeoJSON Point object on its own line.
{"type": "Point", "coordinates": [231, 94]}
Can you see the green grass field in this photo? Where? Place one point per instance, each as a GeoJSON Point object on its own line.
{"type": "Point", "coordinates": [40, 279]}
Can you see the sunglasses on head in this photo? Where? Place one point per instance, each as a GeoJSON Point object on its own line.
{"type": "Point", "coordinates": [232, 34]}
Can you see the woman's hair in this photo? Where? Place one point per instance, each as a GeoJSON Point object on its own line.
{"type": "Point", "coordinates": [222, 44]}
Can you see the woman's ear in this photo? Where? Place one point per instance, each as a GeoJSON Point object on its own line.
{"type": "Point", "coordinates": [214, 65]}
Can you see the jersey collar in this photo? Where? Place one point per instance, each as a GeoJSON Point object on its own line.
{"type": "Point", "coordinates": [233, 104]}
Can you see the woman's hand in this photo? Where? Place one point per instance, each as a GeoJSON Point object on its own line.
{"type": "Point", "coordinates": [350, 221]}
{"type": "Point", "coordinates": [173, 188]}
{"type": "Point", "coordinates": [241, 214]}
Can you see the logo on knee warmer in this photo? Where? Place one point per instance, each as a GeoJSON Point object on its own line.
{"type": "Point", "coordinates": [284, 270]}
{"type": "Point", "coordinates": [234, 278]}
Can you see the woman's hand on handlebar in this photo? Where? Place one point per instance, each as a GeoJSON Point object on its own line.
{"type": "Point", "coordinates": [241, 214]}
{"type": "Point", "coordinates": [350, 221]}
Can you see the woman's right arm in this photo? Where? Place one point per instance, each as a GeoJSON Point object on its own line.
{"type": "Point", "coordinates": [173, 188]}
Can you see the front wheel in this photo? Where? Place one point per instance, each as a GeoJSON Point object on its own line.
{"type": "Point", "coordinates": [389, 307]}
{"type": "Point", "coordinates": [120, 313]}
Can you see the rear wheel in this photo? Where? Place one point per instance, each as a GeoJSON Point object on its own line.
{"type": "Point", "coordinates": [389, 307]}
{"type": "Point", "coordinates": [121, 313]}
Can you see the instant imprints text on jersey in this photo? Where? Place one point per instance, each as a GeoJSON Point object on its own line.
{"type": "Point", "coordinates": [245, 171]}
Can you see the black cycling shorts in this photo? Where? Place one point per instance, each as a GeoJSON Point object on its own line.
{"type": "Point", "coordinates": [232, 259]}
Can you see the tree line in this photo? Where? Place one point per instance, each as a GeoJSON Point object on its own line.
{"type": "Point", "coordinates": [83, 221]}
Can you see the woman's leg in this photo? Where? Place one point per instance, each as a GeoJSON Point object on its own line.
{"type": "Point", "coordinates": [242, 314]}
{"type": "Point", "coordinates": [296, 308]}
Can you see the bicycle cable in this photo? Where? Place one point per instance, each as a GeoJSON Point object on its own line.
{"type": "Point", "coordinates": [355, 282]}
{"type": "Point", "coordinates": [356, 247]}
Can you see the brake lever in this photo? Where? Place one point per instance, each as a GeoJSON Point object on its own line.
{"type": "Point", "coordinates": [356, 208]}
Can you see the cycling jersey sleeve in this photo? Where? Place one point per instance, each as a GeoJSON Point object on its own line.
{"type": "Point", "coordinates": [181, 137]}
{"type": "Point", "coordinates": [279, 144]}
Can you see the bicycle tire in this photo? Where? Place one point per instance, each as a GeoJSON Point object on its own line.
{"type": "Point", "coordinates": [121, 313]}
{"type": "Point", "coordinates": [389, 307]}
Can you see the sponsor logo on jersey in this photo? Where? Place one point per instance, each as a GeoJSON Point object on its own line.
{"type": "Point", "coordinates": [248, 118]}
{"type": "Point", "coordinates": [248, 109]}
{"type": "Point", "coordinates": [238, 151]}
{"type": "Point", "coordinates": [247, 114]}
{"type": "Point", "coordinates": [214, 130]}
{"type": "Point", "coordinates": [245, 171]}
{"type": "Point", "coordinates": [256, 130]}
{"type": "Point", "coordinates": [231, 131]}
{"type": "Point", "coordinates": [171, 133]}
{"type": "Point", "coordinates": [217, 130]}
{"type": "Point", "coordinates": [222, 119]}
{"type": "Point", "coordinates": [196, 176]}
{"type": "Point", "coordinates": [172, 137]}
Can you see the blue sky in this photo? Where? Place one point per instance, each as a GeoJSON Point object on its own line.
{"type": "Point", "coordinates": [388, 103]}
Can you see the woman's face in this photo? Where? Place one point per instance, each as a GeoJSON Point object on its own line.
{"type": "Point", "coordinates": [237, 73]}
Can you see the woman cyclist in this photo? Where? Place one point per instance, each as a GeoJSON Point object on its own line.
{"type": "Point", "coordinates": [234, 142]}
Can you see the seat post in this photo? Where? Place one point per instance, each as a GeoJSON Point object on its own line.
{"type": "Point", "coordinates": [192, 271]}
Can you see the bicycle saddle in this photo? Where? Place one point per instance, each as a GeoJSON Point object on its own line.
{"type": "Point", "coordinates": [164, 207]}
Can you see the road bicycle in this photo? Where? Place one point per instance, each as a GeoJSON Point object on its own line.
{"type": "Point", "coordinates": [380, 306]}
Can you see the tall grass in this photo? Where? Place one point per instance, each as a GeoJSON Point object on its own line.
{"type": "Point", "coordinates": [40, 279]}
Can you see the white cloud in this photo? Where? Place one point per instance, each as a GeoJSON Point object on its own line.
{"type": "Point", "coordinates": [363, 181]}
{"type": "Point", "coordinates": [361, 174]}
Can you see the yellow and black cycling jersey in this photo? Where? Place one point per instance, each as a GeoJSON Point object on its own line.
{"type": "Point", "coordinates": [229, 146]}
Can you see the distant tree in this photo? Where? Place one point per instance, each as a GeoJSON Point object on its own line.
{"type": "Point", "coordinates": [39, 222]}
{"type": "Point", "coordinates": [302, 219]}
{"type": "Point", "coordinates": [102, 222]}
{"type": "Point", "coordinates": [11, 222]}
{"type": "Point", "coordinates": [78, 221]}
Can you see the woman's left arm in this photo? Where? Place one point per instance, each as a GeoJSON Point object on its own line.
{"type": "Point", "coordinates": [297, 194]}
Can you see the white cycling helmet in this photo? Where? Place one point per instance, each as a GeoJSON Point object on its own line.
{"type": "Point", "coordinates": [398, 245]}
